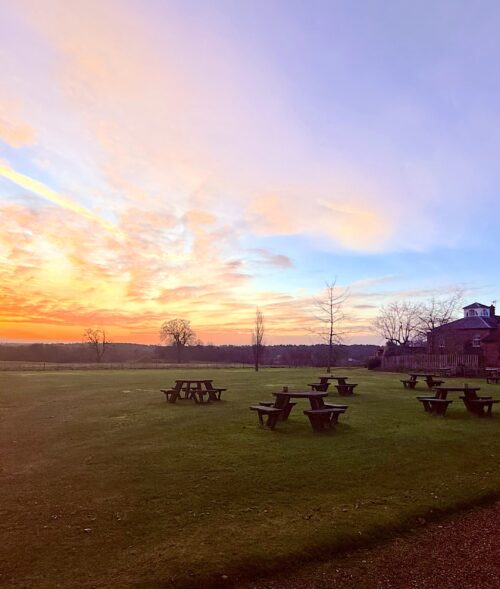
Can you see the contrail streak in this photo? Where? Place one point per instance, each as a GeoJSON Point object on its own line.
{"type": "Point", "coordinates": [41, 190]}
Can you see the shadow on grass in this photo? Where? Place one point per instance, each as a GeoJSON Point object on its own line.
{"type": "Point", "coordinates": [263, 568]}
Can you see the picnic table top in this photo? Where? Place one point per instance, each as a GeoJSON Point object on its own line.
{"type": "Point", "coordinates": [425, 374]}
{"type": "Point", "coordinates": [197, 380]}
{"type": "Point", "coordinates": [302, 394]}
{"type": "Point", "coordinates": [492, 369]}
{"type": "Point", "coordinates": [339, 377]}
{"type": "Point", "coordinates": [456, 389]}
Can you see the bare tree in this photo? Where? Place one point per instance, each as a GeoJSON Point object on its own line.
{"type": "Point", "coordinates": [439, 311]}
{"type": "Point", "coordinates": [97, 341]}
{"type": "Point", "coordinates": [328, 315]}
{"type": "Point", "coordinates": [179, 333]}
{"type": "Point", "coordinates": [398, 322]}
{"type": "Point", "coordinates": [258, 338]}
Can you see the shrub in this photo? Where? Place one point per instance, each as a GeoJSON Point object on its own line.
{"type": "Point", "coordinates": [373, 363]}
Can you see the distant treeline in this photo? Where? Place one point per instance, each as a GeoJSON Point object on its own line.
{"type": "Point", "coordinates": [284, 355]}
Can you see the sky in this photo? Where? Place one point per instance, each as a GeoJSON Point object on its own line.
{"type": "Point", "coordinates": [199, 159]}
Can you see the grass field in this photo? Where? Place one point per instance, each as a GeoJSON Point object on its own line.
{"type": "Point", "coordinates": [103, 484]}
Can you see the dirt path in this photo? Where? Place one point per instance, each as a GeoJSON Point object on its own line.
{"type": "Point", "coordinates": [463, 553]}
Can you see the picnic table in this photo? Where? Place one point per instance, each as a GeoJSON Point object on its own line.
{"type": "Point", "coordinates": [414, 376]}
{"type": "Point", "coordinates": [438, 404]}
{"type": "Point", "coordinates": [321, 415]}
{"type": "Point", "coordinates": [340, 379]}
{"type": "Point", "coordinates": [480, 406]}
{"type": "Point", "coordinates": [200, 390]}
{"type": "Point", "coordinates": [492, 375]}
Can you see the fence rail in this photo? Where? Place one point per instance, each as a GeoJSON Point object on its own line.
{"type": "Point", "coordinates": [471, 362]}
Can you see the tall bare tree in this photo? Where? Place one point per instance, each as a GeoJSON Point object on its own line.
{"type": "Point", "coordinates": [179, 333]}
{"type": "Point", "coordinates": [398, 322]}
{"type": "Point", "coordinates": [328, 315]}
{"type": "Point", "coordinates": [439, 311]}
{"type": "Point", "coordinates": [258, 338]}
{"type": "Point", "coordinates": [97, 341]}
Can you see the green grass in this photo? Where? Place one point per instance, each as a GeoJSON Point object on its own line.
{"type": "Point", "coordinates": [182, 494]}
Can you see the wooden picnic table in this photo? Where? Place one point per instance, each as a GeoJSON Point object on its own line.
{"type": "Point", "coordinates": [325, 377]}
{"type": "Point", "coordinates": [480, 406]}
{"type": "Point", "coordinates": [429, 379]}
{"type": "Point", "coordinates": [426, 375]}
{"type": "Point", "coordinates": [192, 387]}
{"type": "Point", "coordinates": [340, 379]}
{"type": "Point", "coordinates": [321, 415]}
{"type": "Point", "coordinates": [200, 390]}
{"type": "Point", "coordinates": [492, 375]}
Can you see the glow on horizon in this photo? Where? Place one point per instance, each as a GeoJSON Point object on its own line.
{"type": "Point", "coordinates": [200, 159]}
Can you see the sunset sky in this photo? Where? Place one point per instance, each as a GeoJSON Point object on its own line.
{"type": "Point", "coordinates": [197, 159]}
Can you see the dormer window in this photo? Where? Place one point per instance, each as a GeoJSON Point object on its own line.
{"type": "Point", "coordinates": [476, 341]}
{"type": "Point", "coordinates": [471, 313]}
{"type": "Point", "coordinates": [485, 313]}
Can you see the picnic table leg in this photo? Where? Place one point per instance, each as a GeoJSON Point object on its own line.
{"type": "Point", "coordinates": [317, 403]}
{"type": "Point", "coordinates": [272, 421]}
{"type": "Point", "coordinates": [286, 411]}
{"type": "Point", "coordinates": [283, 402]}
{"type": "Point", "coordinates": [318, 422]}
{"type": "Point", "coordinates": [441, 409]}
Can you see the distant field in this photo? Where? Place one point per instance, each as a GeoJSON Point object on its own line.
{"type": "Point", "coordinates": [22, 365]}
{"type": "Point", "coordinates": [103, 484]}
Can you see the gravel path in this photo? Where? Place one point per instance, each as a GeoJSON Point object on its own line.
{"type": "Point", "coordinates": [462, 552]}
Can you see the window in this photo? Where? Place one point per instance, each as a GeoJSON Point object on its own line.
{"type": "Point", "coordinates": [442, 344]}
{"type": "Point", "coordinates": [471, 313]}
{"type": "Point", "coordinates": [485, 313]}
{"type": "Point", "coordinates": [476, 341]}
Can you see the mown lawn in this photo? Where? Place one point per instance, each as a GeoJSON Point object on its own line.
{"type": "Point", "coordinates": [103, 484]}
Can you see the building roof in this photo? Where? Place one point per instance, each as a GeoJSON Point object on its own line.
{"type": "Point", "coordinates": [476, 306]}
{"type": "Point", "coordinates": [472, 323]}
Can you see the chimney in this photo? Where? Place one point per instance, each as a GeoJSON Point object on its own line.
{"type": "Point", "coordinates": [492, 310]}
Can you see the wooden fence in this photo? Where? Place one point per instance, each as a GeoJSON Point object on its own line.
{"type": "Point", "coordinates": [467, 362]}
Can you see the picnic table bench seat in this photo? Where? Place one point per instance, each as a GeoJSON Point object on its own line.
{"type": "Point", "coordinates": [434, 405]}
{"type": "Point", "coordinates": [170, 395]}
{"type": "Point", "coordinates": [214, 393]}
{"type": "Point", "coordinates": [272, 414]}
{"type": "Point", "coordinates": [492, 379]}
{"type": "Point", "coordinates": [322, 419]}
{"type": "Point", "coordinates": [409, 384]}
{"type": "Point", "coordinates": [482, 406]}
{"type": "Point", "coordinates": [336, 406]}
{"type": "Point", "coordinates": [431, 383]}
{"type": "Point", "coordinates": [286, 409]}
{"type": "Point", "coordinates": [319, 386]}
{"type": "Point", "coordinates": [346, 389]}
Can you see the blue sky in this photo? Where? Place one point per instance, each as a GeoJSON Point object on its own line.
{"type": "Point", "coordinates": [201, 158]}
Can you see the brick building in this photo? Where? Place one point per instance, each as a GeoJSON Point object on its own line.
{"type": "Point", "coordinates": [478, 332]}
